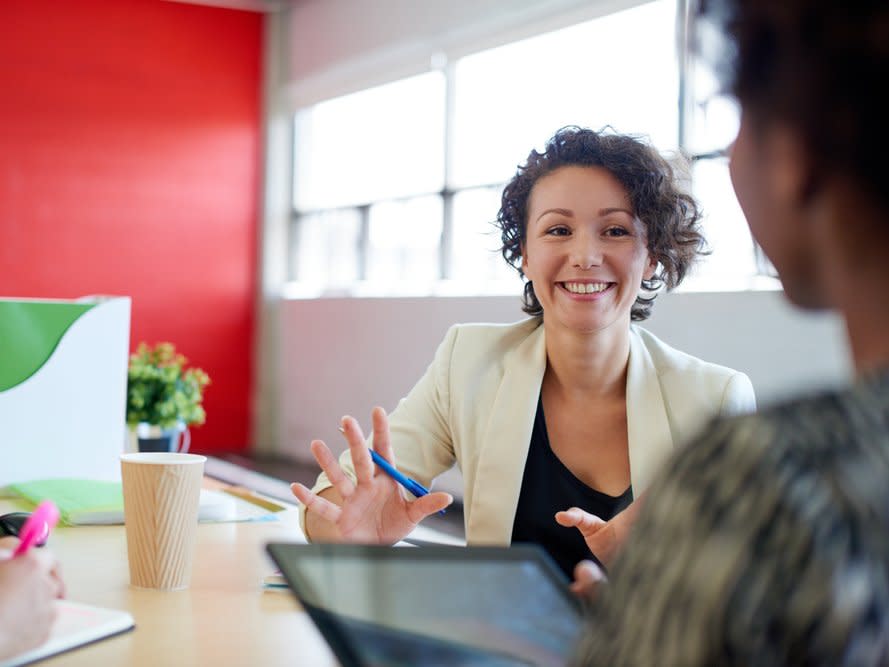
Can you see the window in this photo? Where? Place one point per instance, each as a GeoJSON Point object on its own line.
{"type": "Point", "coordinates": [712, 123]}
{"type": "Point", "coordinates": [326, 249]}
{"type": "Point", "coordinates": [475, 263]}
{"type": "Point", "coordinates": [403, 243]}
{"type": "Point", "coordinates": [396, 187]}
{"type": "Point", "coordinates": [513, 98]}
{"type": "Point", "coordinates": [382, 143]}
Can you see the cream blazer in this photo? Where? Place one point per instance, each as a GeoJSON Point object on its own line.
{"type": "Point", "coordinates": [475, 407]}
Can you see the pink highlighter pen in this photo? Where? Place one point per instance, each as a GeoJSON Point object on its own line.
{"type": "Point", "coordinates": [37, 527]}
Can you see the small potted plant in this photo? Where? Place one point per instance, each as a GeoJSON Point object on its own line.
{"type": "Point", "coordinates": [163, 399]}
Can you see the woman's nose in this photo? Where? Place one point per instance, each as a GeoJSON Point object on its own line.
{"type": "Point", "coordinates": [586, 252]}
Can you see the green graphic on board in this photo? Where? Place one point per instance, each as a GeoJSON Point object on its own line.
{"type": "Point", "coordinates": [29, 333]}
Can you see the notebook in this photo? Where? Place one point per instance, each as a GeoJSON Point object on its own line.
{"type": "Point", "coordinates": [94, 502]}
{"type": "Point", "coordinates": [435, 605]}
{"type": "Point", "coordinates": [76, 625]}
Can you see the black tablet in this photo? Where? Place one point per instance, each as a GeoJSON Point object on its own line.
{"type": "Point", "coordinates": [436, 605]}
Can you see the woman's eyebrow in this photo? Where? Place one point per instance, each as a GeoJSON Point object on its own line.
{"type": "Point", "coordinates": [603, 212]}
{"type": "Point", "coordinates": [559, 211]}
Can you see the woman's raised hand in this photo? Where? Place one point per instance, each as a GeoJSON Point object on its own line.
{"type": "Point", "coordinates": [599, 535]}
{"type": "Point", "coordinates": [373, 508]}
{"type": "Point", "coordinates": [604, 538]}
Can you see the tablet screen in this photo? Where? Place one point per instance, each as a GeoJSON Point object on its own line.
{"type": "Point", "coordinates": [434, 605]}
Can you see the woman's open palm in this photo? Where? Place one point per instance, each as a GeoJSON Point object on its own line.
{"type": "Point", "coordinates": [373, 509]}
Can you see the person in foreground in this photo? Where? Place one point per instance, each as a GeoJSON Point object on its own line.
{"type": "Point", "coordinates": [767, 541]}
{"type": "Point", "coordinates": [568, 412]}
{"type": "Point", "coordinates": [28, 585]}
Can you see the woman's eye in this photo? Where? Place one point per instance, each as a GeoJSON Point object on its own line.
{"type": "Point", "coordinates": [558, 231]}
{"type": "Point", "coordinates": [616, 231]}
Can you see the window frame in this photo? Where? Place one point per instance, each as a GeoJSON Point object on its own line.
{"type": "Point", "coordinates": [685, 100]}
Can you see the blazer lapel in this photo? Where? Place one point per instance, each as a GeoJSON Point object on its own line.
{"type": "Point", "coordinates": [648, 427]}
{"type": "Point", "coordinates": [502, 455]}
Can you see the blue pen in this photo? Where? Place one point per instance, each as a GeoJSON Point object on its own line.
{"type": "Point", "coordinates": [411, 485]}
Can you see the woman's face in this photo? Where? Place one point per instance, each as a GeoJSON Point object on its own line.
{"type": "Point", "coordinates": [584, 249]}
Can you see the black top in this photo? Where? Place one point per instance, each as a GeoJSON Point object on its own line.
{"type": "Point", "coordinates": [548, 487]}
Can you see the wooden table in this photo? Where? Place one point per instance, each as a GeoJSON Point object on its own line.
{"type": "Point", "coordinates": [224, 618]}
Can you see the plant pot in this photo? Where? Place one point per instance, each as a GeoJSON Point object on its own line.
{"type": "Point", "coordinates": [145, 437]}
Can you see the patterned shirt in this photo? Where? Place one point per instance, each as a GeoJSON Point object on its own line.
{"type": "Point", "coordinates": [764, 542]}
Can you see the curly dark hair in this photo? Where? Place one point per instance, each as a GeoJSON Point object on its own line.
{"type": "Point", "coordinates": [818, 66]}
{"type": "Point", "coordinates": [670, 216]}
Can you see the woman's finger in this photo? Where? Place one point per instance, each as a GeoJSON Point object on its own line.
{"type": "Point", "coordinates": [361, 461]}
{"type": "Point", "coordinates": [53, 569]}
{"type": "Point", "coordinates": [587, 576]}
{"type": "Point", "coordinates": [59, 579]}
{"type": "Point", "coordinates": [382, 443]}
{"type": "Point", "coordinates": [331, 467]}
{"type": "Point", "coordinates": [419, 509]}
{"type": "Point", "coordinates": [315, 503]}
{"type": "Point", "coordinates": [588, 524]}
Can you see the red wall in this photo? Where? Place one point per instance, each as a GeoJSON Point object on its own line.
{"type": "Point", "coordinates": [129, 164]}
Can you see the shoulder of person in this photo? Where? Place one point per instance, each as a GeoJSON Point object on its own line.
{"type": "Point", "coordinates": [812, 423]}
{"type": "Point", "coordinates": [837, 434]}
{"type": "Point", "coordinates": [484, 336]}
{"type": "Point", "coordinates": [667, 359]}
{"type": "Point", "coordinates": [832, 422]}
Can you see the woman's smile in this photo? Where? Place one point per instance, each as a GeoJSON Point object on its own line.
{"type": "Point", "coordinates": [586, 290]}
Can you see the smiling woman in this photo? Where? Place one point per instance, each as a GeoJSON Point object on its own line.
{"type": "Point", "coordinates": [631, 178]}
{"type": "Point", "coordinates": [584, 248]}
{"type": "Point", "coordinates": [572, 408]}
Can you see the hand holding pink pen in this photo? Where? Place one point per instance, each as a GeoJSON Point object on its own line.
{"type": "Point", "coordinates": [30, 582]}
{"type": "Point", "coordinates": [37, 527]}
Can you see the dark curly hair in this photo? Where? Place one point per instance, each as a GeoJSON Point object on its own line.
{"type": "Point", "coordinates": [669, 215]}
{"type": "Point", "coordinates": [818, 66]}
